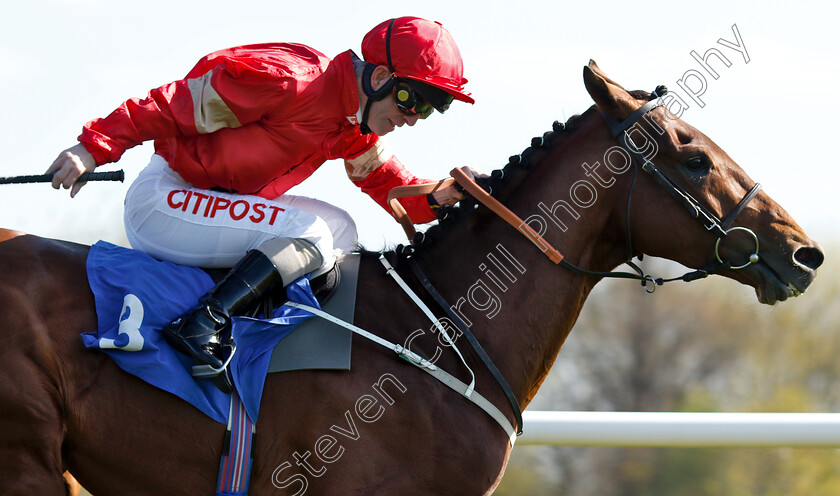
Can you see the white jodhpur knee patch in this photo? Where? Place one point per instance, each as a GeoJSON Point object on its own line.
{"type": "Point", "coordinates": [293, 257]}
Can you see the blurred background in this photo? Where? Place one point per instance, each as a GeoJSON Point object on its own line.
{"type": "Point", "coordinates": [704, 347]}
{"type": "Point", "coordinates": [700, 347]}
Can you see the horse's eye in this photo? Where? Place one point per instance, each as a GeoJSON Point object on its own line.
{"type": "Point", "coordinates": [697, 164]}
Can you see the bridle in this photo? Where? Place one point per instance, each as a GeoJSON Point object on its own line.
{"type": "Point", "coordinates": [621, 131]}
{"type": "Point", "coordinates": [719, 227]}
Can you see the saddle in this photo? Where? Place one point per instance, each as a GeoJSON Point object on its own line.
{"type": "Point", "coordinates": [137, 295]}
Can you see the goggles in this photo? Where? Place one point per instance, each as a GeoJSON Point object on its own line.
{"type": "Point", "coordinates": [420, 99]}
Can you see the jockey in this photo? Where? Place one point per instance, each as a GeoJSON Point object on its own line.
{"type": "Point", "coordinates": [245, 125]}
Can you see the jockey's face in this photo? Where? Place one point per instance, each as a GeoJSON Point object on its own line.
{"type": "Point", "coordinates": [384, 115]}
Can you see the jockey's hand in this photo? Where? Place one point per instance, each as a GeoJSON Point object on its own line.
{"type": "Point", "coordinates": [70, 164]}
{"type": "Point", "coordinates": [450, 194]}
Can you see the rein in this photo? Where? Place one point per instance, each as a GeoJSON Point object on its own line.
{"type": "Point", "coordinates": [619, 130]}
{"type": "Point", "coordinates": [719, 227]}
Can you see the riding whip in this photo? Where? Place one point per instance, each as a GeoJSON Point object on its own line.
{"type": "Point", "coordinates": [46, 178]}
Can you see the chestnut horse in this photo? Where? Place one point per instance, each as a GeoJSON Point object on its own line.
{"type": "Point", "coordinates": [386, 427]}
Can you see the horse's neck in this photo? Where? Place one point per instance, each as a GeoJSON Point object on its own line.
{"type": "Point", "coordinates": [522, 306]}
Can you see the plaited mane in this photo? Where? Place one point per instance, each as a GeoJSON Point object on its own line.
{"type": "Point", "coordinates": [502, 181]}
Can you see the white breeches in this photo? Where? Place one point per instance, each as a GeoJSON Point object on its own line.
{"type": "Point", "coordinates": [172, 220]}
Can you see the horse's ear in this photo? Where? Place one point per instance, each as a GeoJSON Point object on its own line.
{"type": "Point", "coordinates": [609, 96]}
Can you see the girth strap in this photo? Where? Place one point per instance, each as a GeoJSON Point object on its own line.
{"type": "Point", "coordinates": [235, 465]}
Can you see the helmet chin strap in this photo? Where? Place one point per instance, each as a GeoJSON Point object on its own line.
{"type": "Point", "coordinates": [372, 94]}
{"type": "Point", "coordinates": [364, 125]}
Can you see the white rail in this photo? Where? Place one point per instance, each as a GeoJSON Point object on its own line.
{"type": "Point", "coordinates": [671, 429]}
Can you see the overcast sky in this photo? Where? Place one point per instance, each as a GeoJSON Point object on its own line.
{"type": "Point", "coordinates": [64, 62]}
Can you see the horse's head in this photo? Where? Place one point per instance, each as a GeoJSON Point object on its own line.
{"type": "Point", "coordinates": [705, 182]}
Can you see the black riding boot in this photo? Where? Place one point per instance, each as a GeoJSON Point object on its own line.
{"type": "Point", "coordinates": [203, 333]}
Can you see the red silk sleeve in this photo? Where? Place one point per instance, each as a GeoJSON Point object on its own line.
{"type": "Point", "coordinates": [220, 92]}
{"type": "Point", "coordinates": [389, 175]}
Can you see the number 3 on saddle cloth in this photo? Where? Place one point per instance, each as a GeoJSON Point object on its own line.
{"type": "Point", "coordinates": [137, 295]}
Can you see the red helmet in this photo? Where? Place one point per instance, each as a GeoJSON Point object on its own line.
{"type": "Point", "coordinates": [418, 49]}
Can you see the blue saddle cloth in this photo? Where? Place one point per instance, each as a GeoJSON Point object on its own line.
{"type": "Point", "coordinates": [137, 295]}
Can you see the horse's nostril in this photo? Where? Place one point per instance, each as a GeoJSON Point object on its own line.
{"type": "Point", "coordinates": [809, 257]}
